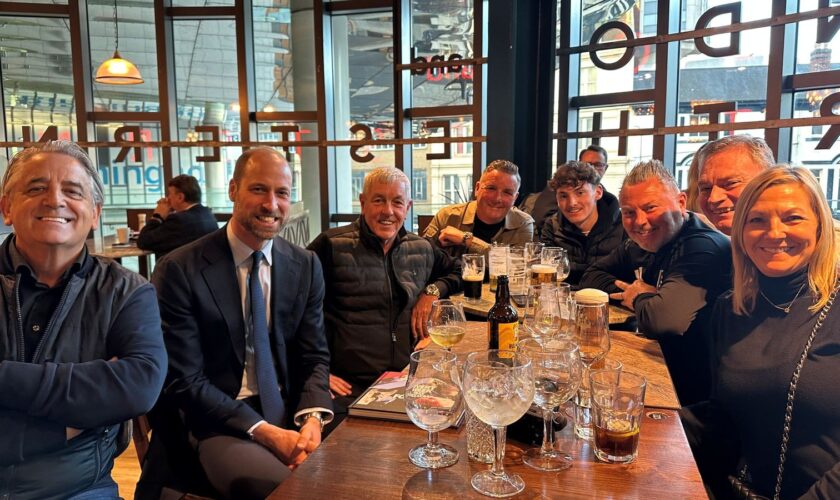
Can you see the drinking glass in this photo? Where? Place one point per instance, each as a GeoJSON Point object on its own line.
{"type": "Point", "coordinates": [582, 412]}
{"type": "Point", "coordinates": [447, 324]}
{"type": "Point", "coordinates": [566, 302]}
{"type": "Point", "coordinates": [563, 267]}
{"type": "Point", "coordinates": [542, 312]}
{"type": "Point", "coordinates": [592, 334]}
{"type": "Point", "coordinates": [472, 275]}
{"type": "Point", "coordinates": [618, 402]}
{"type": "Point", "coordinates": [532, 253]}
{"type": "Point", "coordinates": [557, 372]}
{"type": "Point", "coordinates": [498, 389]}
{"type": "Point", "coordinates": [497, 262]}
{"type": "Point", "coordinates": [433, 400]}
{"type": "Point", "coordinates": [517, 269]}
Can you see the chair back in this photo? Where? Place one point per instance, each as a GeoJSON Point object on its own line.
{"type": "Point", "coordinates": [133, 220]}
{"type": "Point", "coordinates": [423, 222]}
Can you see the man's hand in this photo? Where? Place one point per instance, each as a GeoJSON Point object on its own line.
{"type": "Point", "coordinates": [282, 442]}
{"type": "Point", "coordinates": [630, 291]}
{"type": "Point", "coordinates": [310, 435]}
{"type": "Point", "coordinates": [420, 315]}
{"type": "Point", "coordinates": [339, 386]}
{"type": "Point", "coordinates": [451, 236]}
{"type": "Point", "coordinates": [163, 208]}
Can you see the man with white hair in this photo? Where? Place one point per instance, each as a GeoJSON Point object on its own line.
{"type": "Point", "coordinates": [381, 281]}
{"type": "Point", "coordinates": [670, 272]}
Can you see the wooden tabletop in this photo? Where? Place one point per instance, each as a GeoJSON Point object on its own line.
{"type": "Point", "coordinates": [366, 458]}
{"type": "Point", "coordinates": [618, 314]}
{"type": "Point", "coordinates": [117, 252]}
{"type": "Point", "coordinates": [637, 355]}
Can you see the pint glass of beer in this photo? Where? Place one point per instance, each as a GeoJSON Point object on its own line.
{"type": "Point", "coordinates": [543, 274]}
{"type": "Point", "coordinates": [472, 274]}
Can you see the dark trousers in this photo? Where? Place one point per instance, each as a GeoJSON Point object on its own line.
{"type": "Point", "coordinates": [239, 468]}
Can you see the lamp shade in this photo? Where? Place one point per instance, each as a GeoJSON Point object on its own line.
{"type": "Point", "coordinates": [118, 71]}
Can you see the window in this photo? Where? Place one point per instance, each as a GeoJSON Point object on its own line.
{"type": "Point", "coordinates": [418, 188]}
{"type": "Point", "coordinates": [357, 183]}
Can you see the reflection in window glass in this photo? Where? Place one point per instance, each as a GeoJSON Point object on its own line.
{"type": "Point", "coordinates": [363, 93]}
{"type": "Point", "coordinates": [136, 22]}
{"type": "Point", "coordinates": [741, 78]}
{"type": "Point", "coordinates": [37, 77]}
{"type": "Point", "coordinates": [207, 95]}
{"type": "Point", "coordinates": [823, 163]}
{"type": "Point", "coordinates": [638, 73]}
{"type": "Point", "coordinates": [439, 30]}
{"type": "Point", "coordinates": [203, 3]}
{"type": "Point", "coordinates": [296, 156]}
{"type": "Point", "coordinates": [457, 168]}
{"type": "Point", "coordinates": [639, 147]}
{"type": "Point", "coordinates": [133, 181]}
{"type": "Point", "coordinates": [284, 56]}
{"type": "Point", "coordinates": [811, 56]}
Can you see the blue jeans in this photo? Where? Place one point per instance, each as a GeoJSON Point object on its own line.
{"type": "Point", "coordinates": [104, 489]}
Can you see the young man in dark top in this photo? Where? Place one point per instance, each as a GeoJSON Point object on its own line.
{"type": "Point", "coordinates": [588, 225]}
{"type": "Point", "coordinates": [684, 265]}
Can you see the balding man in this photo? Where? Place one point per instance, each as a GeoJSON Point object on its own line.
{"type": "Point", "coordinates": [243, 323]}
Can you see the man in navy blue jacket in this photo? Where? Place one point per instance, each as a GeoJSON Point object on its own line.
{"type": "Point", "coordinates": [81, 349]}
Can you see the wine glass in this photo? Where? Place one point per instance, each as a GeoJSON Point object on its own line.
{"type": "Point", "coordinates": [563, 267]}
{"type": "Point", "coordinates": [592, 334]}
{"type": "Point", "coordinates": [498, 389]}
{"type": "Point", "coordinates": [447, 323]}
{"type": "Point", "coordinates": [433, 400]}
{"type": "Point", "coordinates": [557, 375]}
{"type": "Point", "coordinates": [542, 312]}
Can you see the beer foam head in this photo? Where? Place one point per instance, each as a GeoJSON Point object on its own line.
{"type": "Point", "coordinates": [543, 268]}
{"type": "Point", "coordinates": [473, 277]}
{"type": "Point", "coordinates": [591, 296]}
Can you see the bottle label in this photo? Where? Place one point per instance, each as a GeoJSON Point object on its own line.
{"type": "Point", "coordinates": [508, 335]}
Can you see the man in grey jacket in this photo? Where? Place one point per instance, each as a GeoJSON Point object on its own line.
{"type": "Point", "coordinates": [473, 227]}
{"type": "Point", "coordinates": [81, 349]}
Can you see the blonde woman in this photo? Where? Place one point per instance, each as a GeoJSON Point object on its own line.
{"type": "Point", "coordinates": [776, 343]}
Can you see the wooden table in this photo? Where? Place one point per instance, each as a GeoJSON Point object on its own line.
{"type": "Point", "coordinates": [366, 458]}
{"type": "Point", "coordinates": [369, 459]}
{"type": "Point", "coordinates": [618, 314]}
{"type": "Point", "coordinates": [637, 354]}
{"type": "Point", "coordinates": [118, 252]}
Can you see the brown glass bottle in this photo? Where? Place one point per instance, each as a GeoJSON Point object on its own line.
{"type": "Point", "coordinates": [502, 319]}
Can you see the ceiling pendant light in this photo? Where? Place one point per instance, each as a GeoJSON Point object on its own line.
{"type": "Point", "coordinates": [118, 71]}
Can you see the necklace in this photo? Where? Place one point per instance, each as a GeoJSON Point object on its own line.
{"type": "Point", "coordinates": [782, 307]}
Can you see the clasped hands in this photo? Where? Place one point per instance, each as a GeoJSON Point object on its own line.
{"type": "Point", "coordinates": [291, 447]}
{"type": "Point", "coordinates": [629, 292]}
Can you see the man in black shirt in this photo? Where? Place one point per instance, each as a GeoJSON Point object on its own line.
{"type": "Point", "coordinates": [179, 218]}
{"type": "Point", "coordinates": [669, 272]}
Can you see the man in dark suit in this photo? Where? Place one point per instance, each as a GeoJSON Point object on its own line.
{"type": "Point", "coordinates": [179, 218]}
{"type": "Point", "coordinates": [249, 363]}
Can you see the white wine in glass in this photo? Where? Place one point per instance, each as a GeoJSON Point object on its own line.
{"type": "Point", "coordinates": [447, 323]}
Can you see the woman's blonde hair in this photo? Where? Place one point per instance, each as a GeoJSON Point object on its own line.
{"type": "Point", "coordinates": [822, 268]}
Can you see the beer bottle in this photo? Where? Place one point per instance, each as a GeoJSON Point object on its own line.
{"type": "Point", "coordinates": [502, 319]}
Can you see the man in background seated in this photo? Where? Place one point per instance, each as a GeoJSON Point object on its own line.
{"type": "Point", "coordinates": [381, 282]}
{"type": "Point", "coordinates": [588, 225]}
{"type": "Point", "coordinates": [669, 272]}
{"type": "Point", "coordinates": [242, 314]}
{"type": "Point", "coordinates": [81, 348]}
{"type": "Point", "coordinates": [179, 218]}
{"type": "Point", "coordinates": [472, 227]}
{"type": "Point", "coordinates": [541, 206]}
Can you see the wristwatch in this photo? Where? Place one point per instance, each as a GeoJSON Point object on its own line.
{"type": "Point", "coordinates": [316, 415]}
{"type": "Point", "coordinates": [432, 290]}
{"type": "Point", "coordinates": [467, 237]}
